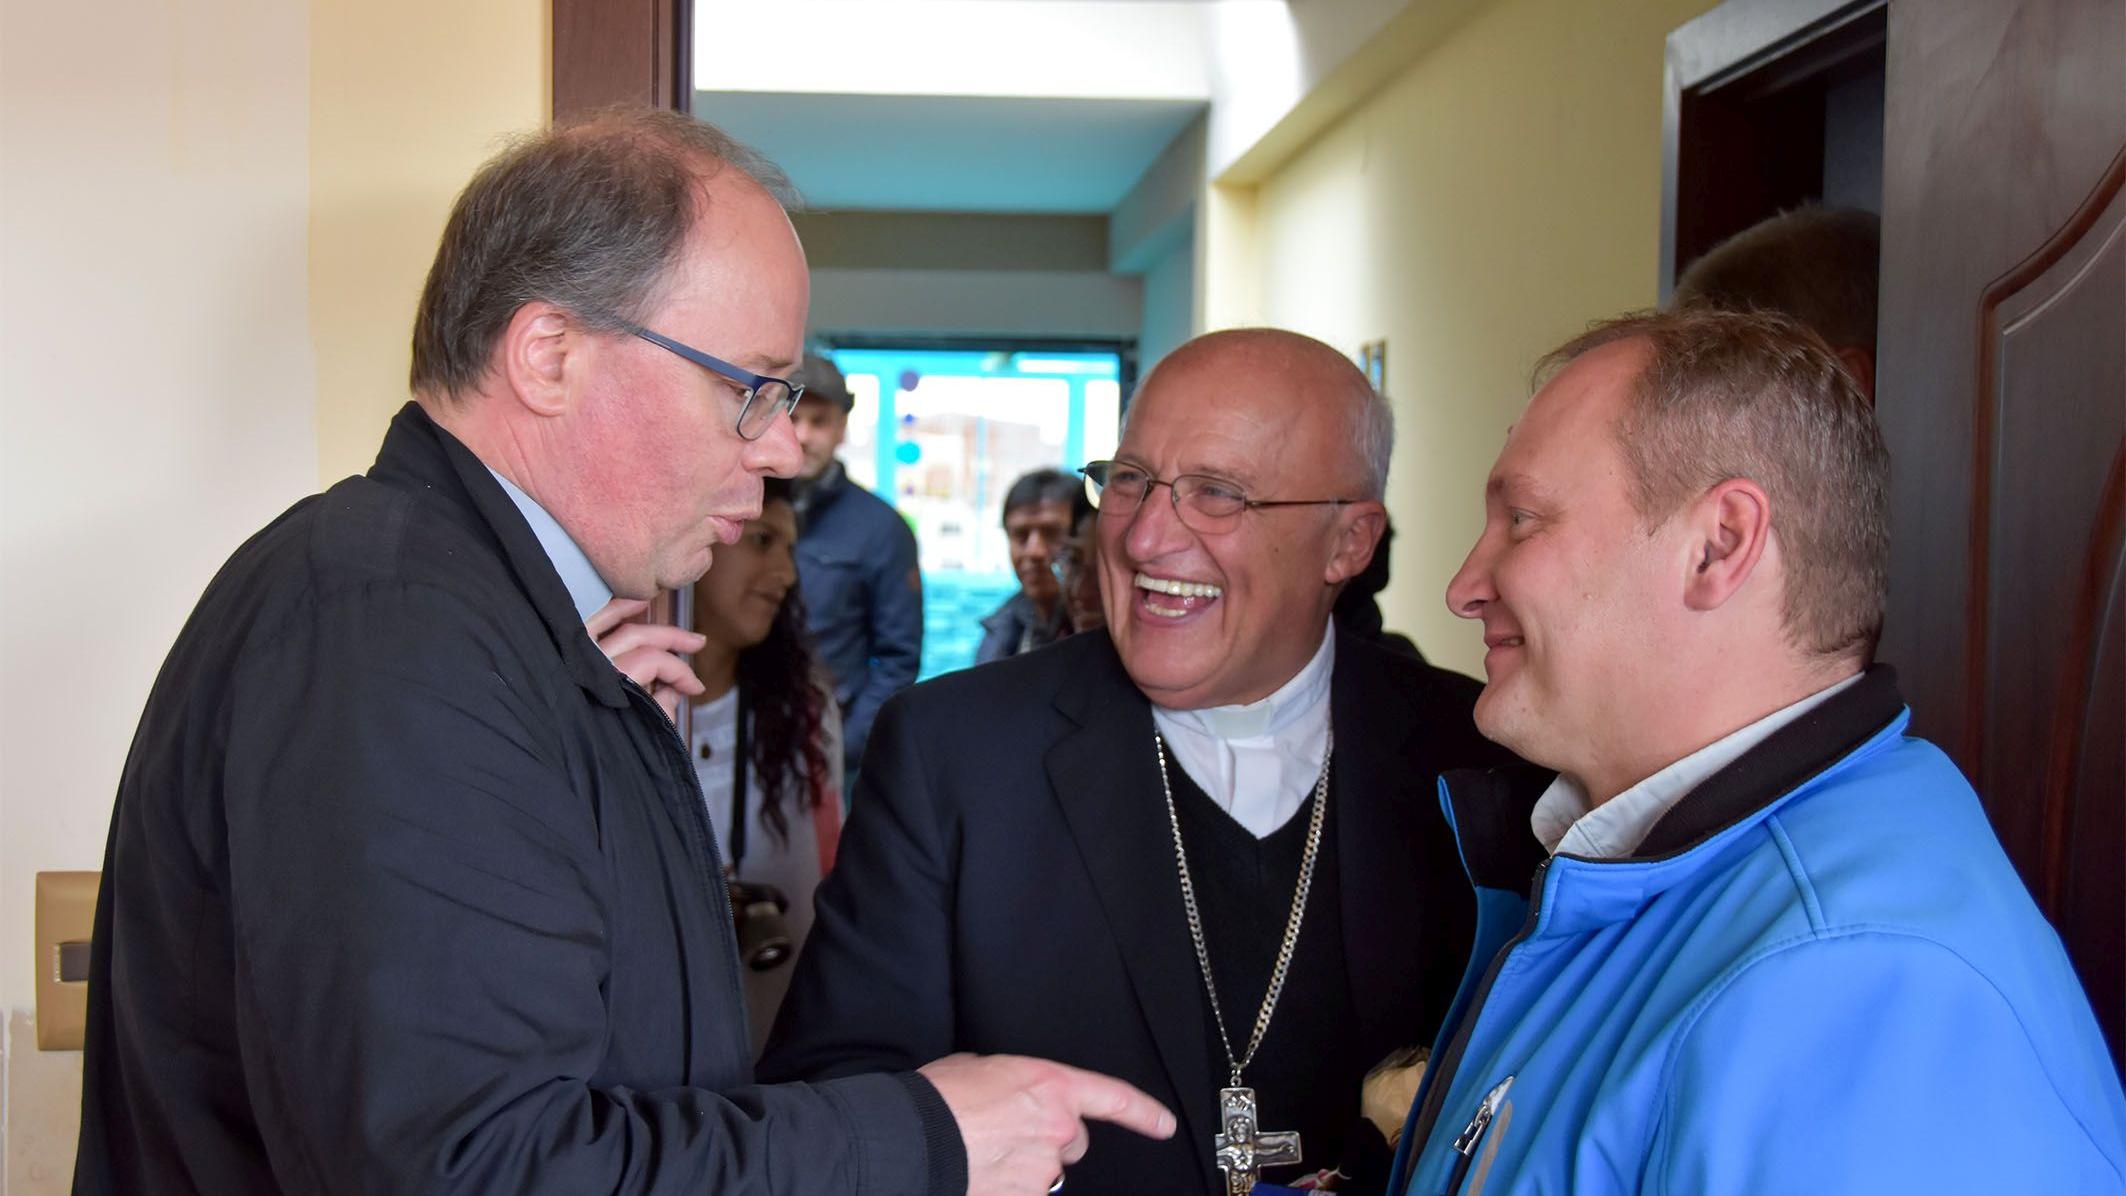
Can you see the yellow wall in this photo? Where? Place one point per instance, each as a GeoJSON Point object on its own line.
{"type": "Point", "coordinates": [1493, 198]}
{"type": "Point", "coordinates": [406, 98]}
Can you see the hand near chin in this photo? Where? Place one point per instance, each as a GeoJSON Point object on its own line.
{"type": "Point", "coordinates": [1024, 1119]}
{"type": "Point", "coordinates": [652, 655]}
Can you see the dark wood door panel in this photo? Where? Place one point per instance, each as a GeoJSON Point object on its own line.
{"type": "Point", "coordinates": [2002, 392]}
{"type": "Point", "coordinates": [622, 52]}
{"type": "Point", "coordinates": [2049, 443]}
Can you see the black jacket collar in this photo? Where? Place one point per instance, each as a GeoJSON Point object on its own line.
{"type": "Point", "coordinates": [419, 455]}
{"type": "Point", "coordinates": [1491, 808]}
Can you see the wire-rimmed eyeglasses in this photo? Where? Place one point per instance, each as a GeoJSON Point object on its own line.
{"type": "Point", "coordinates": [765, 397]}
{"type": "Point", "coordinates": [1204, 503]}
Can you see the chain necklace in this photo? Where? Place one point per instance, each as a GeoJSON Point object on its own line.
{"type": "Point", "coordinates": [1291, 930]}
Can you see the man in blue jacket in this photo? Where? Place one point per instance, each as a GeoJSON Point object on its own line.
{"type": "Point", "coordinates": [856, 566]}
{"type": "Point", "coordinates": [1750, 937]}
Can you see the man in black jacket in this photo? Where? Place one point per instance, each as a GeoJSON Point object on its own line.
{"type": "Point", "coordinates": [1009, 878]}
{"type": "Point", "coordinates": [408, 889]}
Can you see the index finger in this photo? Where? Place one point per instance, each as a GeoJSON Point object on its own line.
{"type": "Point", "coordinates": [1104, 1098]}
{"type": "Point", "coordinates": [612, 614]}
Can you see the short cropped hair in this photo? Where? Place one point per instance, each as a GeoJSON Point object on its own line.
{"type": "Point", "coordinates": [1039, 486]}
{"type": "Point", "coordinates": [590, 215]}
{"type": "Point", "coordinates": [1815, 265]}
{"type": "Point", "coordinates": [1755, 395]}
{"type": "Point", "coordinates": [1376, 440]}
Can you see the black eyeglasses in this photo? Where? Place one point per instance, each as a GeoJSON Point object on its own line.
{"type": "Point", "coordinates": [1204, 503]}
{"type": "Point", "coordinates": [765, 397]}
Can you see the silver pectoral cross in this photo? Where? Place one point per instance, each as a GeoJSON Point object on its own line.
{"type": "Point", "coordinates": [1242, 1149]}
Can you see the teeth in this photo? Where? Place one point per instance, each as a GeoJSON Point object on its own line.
{"type": "Point", "coordinates": [1179, 589]}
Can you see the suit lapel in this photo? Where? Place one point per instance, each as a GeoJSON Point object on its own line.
{"type": "Point", "coordinates": [1107, 782]}
{"type": "Point", "coordinates": [1375, 775]}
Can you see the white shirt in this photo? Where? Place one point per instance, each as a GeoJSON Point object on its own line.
{"type": "Point", "coordinates": [1566, 825]}
{"type": "Point", "coordinates": [1258, 761]}
{"type": "Point", "coordinates": [791, 863]}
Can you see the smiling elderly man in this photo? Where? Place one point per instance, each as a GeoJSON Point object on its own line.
{"type": "Point", "coordinates": [1185, 851]}
{"type": "Point", "coordinates": [408, 890]}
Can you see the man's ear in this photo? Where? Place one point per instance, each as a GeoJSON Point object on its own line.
{"type": "Point", "coordinates": [1356, 533]}
{"type": "Point", "coordinates": [1729, 530]}
{"type": "Point", "coordinates": [533, 356]}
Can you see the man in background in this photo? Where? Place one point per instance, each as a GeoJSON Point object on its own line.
{"type": "Point", "coordinates": [856, 565]}
{"type": "Point", "coordinates": [1036, 525]}
{"type": "Point", "coordinates": [1816, 266]}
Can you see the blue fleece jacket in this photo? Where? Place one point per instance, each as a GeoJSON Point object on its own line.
{"type": "Point", "coordinates": [1820, 975]}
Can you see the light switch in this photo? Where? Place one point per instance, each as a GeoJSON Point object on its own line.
{"type": "Point", "coordinates": [66, 918]}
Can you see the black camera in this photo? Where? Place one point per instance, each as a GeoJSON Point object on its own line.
{"type": "Point", "coordinates": [757, 911]}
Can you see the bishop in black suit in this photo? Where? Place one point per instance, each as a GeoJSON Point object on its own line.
{"type": "Point", "coordinates": [1009, 881]}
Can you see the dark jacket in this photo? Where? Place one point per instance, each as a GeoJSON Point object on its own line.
{"type": "Point", "coordinates": [1005, 628]}
{"type": "Point", "coordinates": [1006, 883]}
{"type": "Point", "coordinates": [856, 565]}
{"type": "Point", "coordinates": [409, 891]}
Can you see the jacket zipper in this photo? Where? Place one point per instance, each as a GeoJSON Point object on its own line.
{"type": "Point", "coordinates": [1466, 1142]}
{"type": "Point", "coordinates": [706, 861]}
{"type": "Point", "coordinates": [1451, 1058]}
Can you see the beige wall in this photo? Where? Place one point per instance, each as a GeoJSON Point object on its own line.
{"type": "Point", "coordinates": [1494, 197]}
{"type": "Point", "coordinates": [214, 215]}
{"type": "Point", "coordinates": [406, 98]}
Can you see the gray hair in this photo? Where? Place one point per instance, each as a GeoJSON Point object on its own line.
{"type": "Point", "coordinates": [589, 216]}
{"type": "Point", "coordinates": [1376, 441]}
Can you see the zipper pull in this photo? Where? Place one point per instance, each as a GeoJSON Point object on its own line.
{"type": "Point", "coordinates": [1465, 1142]}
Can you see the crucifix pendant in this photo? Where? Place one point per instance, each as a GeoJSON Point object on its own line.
{"type": "Point", "coordinates": [1242, 1149]}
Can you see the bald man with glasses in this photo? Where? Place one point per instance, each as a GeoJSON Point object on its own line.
{"type": "Point", "coordinates": [1200, 850]}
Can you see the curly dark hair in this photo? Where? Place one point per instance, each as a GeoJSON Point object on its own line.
{"type": "Point", "coordinates": [779, 689]}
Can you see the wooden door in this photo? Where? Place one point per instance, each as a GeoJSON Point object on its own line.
{"type": "Point", "coordinates": [2002, 391]}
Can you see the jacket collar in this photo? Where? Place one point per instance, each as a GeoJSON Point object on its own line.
{"type": "Point", "coordinates": [419, 454]}
{"type": "Point", "coordinates": [1778, 766]}
{"type": "Point", "coordinates": [1490, 809]}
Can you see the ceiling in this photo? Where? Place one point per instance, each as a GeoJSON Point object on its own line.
{"type": "Point", "coordinates": [953, 153]}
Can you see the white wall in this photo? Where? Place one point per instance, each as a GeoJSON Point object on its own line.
{"type": "Point", "coordinates": [156, 403]}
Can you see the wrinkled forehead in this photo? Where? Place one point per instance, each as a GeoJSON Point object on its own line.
{"type": "Point", "coordinates": [1263, 426]}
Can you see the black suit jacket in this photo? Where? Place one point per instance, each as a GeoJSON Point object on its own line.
{"type": "Point", "coordinates": [1006, 884]}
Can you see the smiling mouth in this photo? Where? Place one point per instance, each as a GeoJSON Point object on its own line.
{"type": "Point", "coordinates": [1172, 598]}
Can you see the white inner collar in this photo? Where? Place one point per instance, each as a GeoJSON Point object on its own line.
{"type": "Point", "coordinates": [1301, 695]}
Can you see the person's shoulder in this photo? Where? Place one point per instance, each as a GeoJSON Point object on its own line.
{"type": "Point", "coordinates": [1893, 836]}
{"type": "Point", "coordinates": [1440, 700]}
{"type": "Point", "coordinates": [1025, 682]}
{"type": "Point", "coordinates": [1381, 663]}
{"type": "Point", "coordinates": [863, 502]}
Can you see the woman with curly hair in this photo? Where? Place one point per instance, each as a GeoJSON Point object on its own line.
{"type": "Point", "coordinates": [764, 731]}
{"type": "Point", "coordinates": [766, 740]}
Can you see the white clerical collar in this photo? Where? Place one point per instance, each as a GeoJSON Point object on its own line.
{"type": "Point", "coordinates": [1258, 761]}
{"type": "Point", "coordinates": [1567, 825]}
{"type": "Point", "coordinates": [1307, 689]}
{"type": "Point", "coordinates": [586, 589]}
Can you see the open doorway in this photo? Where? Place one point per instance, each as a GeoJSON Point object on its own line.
{"type": "Point", "coordinates": [941, 429]}
{"type": "Point", "coordinates": [1770, 105]}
